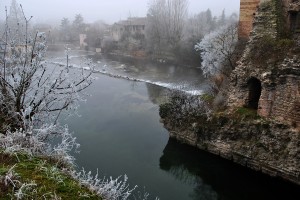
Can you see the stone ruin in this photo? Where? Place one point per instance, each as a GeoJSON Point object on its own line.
{"type": "Point", "coordinates": [273, 89]}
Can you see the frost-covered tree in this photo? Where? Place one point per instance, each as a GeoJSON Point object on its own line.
{"type": "Point", "coordinates": [32, 89]}
{"type": "Point", "coordinates": [216, 50]}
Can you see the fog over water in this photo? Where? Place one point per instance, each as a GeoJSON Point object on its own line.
{"type": "Point", "coordinates": [109, 11]}
{"type": "Point", "coordinates": [119, 127]}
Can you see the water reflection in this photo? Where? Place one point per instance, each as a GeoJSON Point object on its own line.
{"type": "Point", "coordinates": [120, 133]}
{"type": "Point", "coordinates": [215, 178]}
{"type": "Point", "coordinates": [157, 95]}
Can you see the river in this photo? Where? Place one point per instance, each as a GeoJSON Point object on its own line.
{"type": "Point", "coordinates": [120, 133]}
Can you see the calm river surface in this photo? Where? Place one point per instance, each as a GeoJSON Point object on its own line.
{"type": "Point", "coordinates": [120, 133]}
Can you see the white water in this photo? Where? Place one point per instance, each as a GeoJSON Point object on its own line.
{"type": "Point", "coordinates": [126, 71]}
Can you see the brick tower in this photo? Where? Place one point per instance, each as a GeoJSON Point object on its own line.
{"type": "Point", "coordinates": [247, 12]}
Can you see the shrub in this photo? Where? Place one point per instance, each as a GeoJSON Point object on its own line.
{"type": "Point", "coordinates": [164, 110]}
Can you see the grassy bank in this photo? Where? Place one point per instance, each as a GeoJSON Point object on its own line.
{"type": "Point", "coordinates": [25, 177]}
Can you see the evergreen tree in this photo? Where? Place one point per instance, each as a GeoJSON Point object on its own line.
{"type": "Point", "coordinates": [16, 19]}
{"type": "Point", "coordinates": [222, 20]}
{"type": "Point", "coordinates": [65, 30]}
{"type": "Point", "coordinates": [78, 27]}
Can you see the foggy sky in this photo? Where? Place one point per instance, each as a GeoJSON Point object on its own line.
{"type": "Point", "coordinates": [108, 10]}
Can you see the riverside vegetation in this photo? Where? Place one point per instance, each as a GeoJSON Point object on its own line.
{"type": "Point", "coordinates": [35, 150]}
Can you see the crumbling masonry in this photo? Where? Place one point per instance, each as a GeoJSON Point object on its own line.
{"type": "Point", "coordinates": [271, 88]}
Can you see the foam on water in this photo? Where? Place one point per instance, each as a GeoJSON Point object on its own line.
{"type": "Point", "coordinates": [184, 87]}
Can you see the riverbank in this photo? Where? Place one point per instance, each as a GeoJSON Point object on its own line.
{"type": "Point", "coordinates": [243, 137]}
{"type": "Point", "coordinates": [26, 177]}
{"type": "Point", "coordinates": [258, 126]}
{"type": "Point", "coordinates": [38, 164]}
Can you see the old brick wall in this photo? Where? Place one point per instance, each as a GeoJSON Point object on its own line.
{"type": "Point", "coordinates": [281, 99]}
{"type": "Point", "coordinates": [282, 102]}
{"type": "Point", "coordinates": [280, 94]}
{"type": "Point", "coordinates": [247, 12]}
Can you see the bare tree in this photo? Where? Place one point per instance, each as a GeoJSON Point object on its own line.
{"type": "Point", "coordinates": [175, 20]}
{"type": "Point", "coordinates": [33, 89]}
{"type": "Point", "coordinates": [155, 29]}
{"type": "Point", "coordinates": [199, 25]}
{"type": "Point", "coordinates": [166, 20]}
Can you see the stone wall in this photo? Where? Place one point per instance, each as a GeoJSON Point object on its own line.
{"type": "Point", "coordinates": [281, 99]}
{"type": "Point", "coordinates": [265, 146]}
{"type": "Point", "coordinates": [280, 80]}
{"type": "Point", "coordinates": [266, 138]}
{"type": "Point", "coordinates": [280, 95]}
{"type": "Point", "coordinates": [248, 10]}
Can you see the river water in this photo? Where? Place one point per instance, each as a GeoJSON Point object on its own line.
{"type": "Point", "coordinates": [120, 133]}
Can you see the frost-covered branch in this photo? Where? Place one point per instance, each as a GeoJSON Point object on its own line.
{"type": "Point", "coordinates": [183, 107]}
{"type": "Point", "coordinates": [36, 142]}
{"type": "Point", "coordinates": [33, 93]}
{"type": "Point", "coordinates": [108, 188]}
{"type": "Point", "coordinates": [33, 86]}
{"type": "Point", "coordinates": [216, 50]}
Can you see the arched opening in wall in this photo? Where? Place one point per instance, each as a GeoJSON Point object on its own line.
{"type": "Point", "coordinates": [254, 87]}
{"type": "Point", "coordinates": [294, 21]}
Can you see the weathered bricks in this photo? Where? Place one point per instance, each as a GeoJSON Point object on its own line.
{"type": "Point", "coordinates": [247, 12]}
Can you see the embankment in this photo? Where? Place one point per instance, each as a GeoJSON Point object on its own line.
{"type": "Point", "coordinates": [270, 147]}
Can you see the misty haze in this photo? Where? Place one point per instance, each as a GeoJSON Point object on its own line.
{"type": "Point", "coordinates": [107, 75]}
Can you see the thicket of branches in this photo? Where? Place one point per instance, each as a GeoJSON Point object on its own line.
{"type": "Point", "coordinates": [165, 24]}
{"type": "Point", "coordinates": [33, 90]}
{"type": "Point", "coordinates": [183, 108]}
